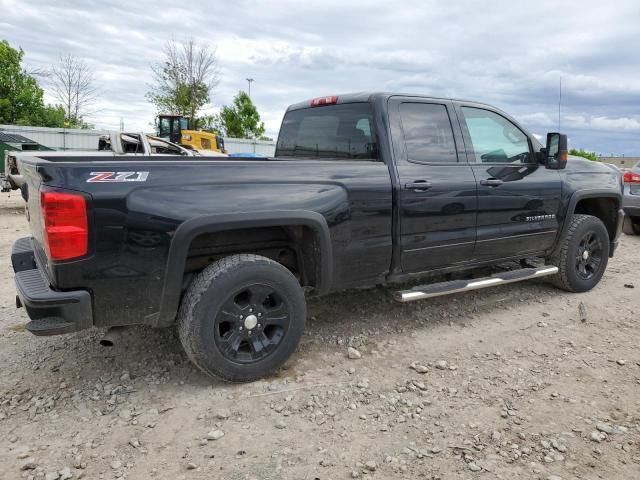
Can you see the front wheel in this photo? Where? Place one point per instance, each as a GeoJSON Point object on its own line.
{"type": "Point", "coordinates": [242, 317]}
{"type": "Point", "coordinates": [582, 255]}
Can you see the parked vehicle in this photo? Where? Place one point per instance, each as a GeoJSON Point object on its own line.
{"type": "Point", "coordinates": [364, 189]}
{"type": "Point", "coordinates": [631, 202]}
{"type": "Point", "coordinates": [175, 128]}
{"type": "Point", "coordinates": [116, 143]}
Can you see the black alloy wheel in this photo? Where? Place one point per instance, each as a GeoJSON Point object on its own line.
{"type": "Point", "coordinates": [589, 256]}
{"type": "Point", "coordinates": [251, 323]}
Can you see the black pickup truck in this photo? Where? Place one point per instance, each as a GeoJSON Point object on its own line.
{"type": "Point", "coordinates": [364, 189]}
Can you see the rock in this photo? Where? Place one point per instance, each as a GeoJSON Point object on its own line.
{"type": "Point", "coordinates": [621, 362]}
{"type": "Point", "coordinates": [543, 324]}
{"type": "Point", "coordinates": [371, 466]}
{"type": "Point", "coordinates": [65, 473]}
{"type": "Point", "coordinates": [215, 435]}
{"type": "Point", "coordinates": [355, 474]}
{"type": "Point", "coordinates": [28, 464]}
{"type": "Point", "coordinates": [280, 425]}
{"type": "Point", "coordinates": [191, 466]}
{"type": "Point", "coordinates": [629, 285]}
{"type": "Point", "coordinates": [441, 365]}
{"type": "Point", "coordinates": [116, 464]}
{"type": "Point", "coordinates": [473, 467]}
{"type": "Point", "coordinates": [353, 354]}
{"type": "Point", "coordinates": [595, 436]}
{"type": "Point", "coordinates": [582, 311]}
{"type": "Point", "coordinates": [134, 442]}
{"type": "Point", "coordinates": [604, 427]}
{"type": "Point", "coordinates": [419, 368]}
{"type": "Point", "coordinates": [554, 477]}
{"type": "Point", "coordinates": [223, 414]}
{"type": "Point", "coordinates": [52, 476]}
{"type": "Point", "coordinates": [419, 385]}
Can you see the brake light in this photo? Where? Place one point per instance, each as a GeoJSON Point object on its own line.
{"type": "Point", "coordinates": [66, 232]}
{"type": "Point", "coordinates": [331, 100]}
{"type": "Point", "coordinates": [631, 177]}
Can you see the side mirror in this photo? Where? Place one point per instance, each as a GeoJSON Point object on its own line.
{"type": "Point", "coordinates": [557, 151]}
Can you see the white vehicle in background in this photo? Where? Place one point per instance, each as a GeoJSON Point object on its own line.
{"type": "Point", "coordinates": [138, 143]}
{"type": "Point", "coordinates": [114, 144]}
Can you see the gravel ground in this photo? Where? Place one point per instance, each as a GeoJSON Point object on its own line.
{"type": "Point", "coordinates": [502, 383]}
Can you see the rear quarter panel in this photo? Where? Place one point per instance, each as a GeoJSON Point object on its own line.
{"type": "Point", "coordinates": [134, 222]}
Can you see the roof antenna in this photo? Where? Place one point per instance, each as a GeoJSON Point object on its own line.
{"type": "Point", "coordinates": [559, 103]}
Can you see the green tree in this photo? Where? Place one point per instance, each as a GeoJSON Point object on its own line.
{"type": "Point", "coordinates": [241, 119]}
{"type": "Point", "coordinates": [583, 153]}
{"type": "Point", "coordinates": [184, 80]}
{"type": "Point", "coordinates": [21, 98]}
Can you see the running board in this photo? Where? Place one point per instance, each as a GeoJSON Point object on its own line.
{"type": "Point", "coordinates": [445, 288]}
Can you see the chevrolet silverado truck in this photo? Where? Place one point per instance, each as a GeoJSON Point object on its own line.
{"type": "Point", "coordinates": [364, 189]}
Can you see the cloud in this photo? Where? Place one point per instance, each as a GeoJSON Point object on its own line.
{"type": "Point", "coordinates": [498, 52]}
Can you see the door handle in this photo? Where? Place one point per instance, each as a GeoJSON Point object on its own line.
{"type": "Point", "coordinates": [418, 185]}
{"type": "Point", "coordinates": [491, 182]}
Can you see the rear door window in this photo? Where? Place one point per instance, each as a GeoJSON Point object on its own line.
{"type": "Point", "coordinates": [343, 131]}
{"type": "Point", "coordinates": [428, 136]}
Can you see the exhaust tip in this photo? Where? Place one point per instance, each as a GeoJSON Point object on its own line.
{"type": "Point", "coordinates": [111, 336]}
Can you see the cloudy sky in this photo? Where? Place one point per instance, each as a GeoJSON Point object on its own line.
{"type": "Point", "coordinates": [507, 53]}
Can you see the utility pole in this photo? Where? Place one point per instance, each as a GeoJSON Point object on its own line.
{"type": "Point", "coordinates": [249, 80]}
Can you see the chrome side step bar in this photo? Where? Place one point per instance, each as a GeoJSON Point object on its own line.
{"type": "Point", "coordinates": [454, 286]}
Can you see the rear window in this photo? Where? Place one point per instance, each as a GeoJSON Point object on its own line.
{"type": "Point", "coordinates": [343, 131]}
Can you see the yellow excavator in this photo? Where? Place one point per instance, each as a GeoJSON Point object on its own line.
{"type": "Point", "coordinates": [175, 128]}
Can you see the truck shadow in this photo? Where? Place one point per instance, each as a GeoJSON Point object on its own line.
{"type": "Point", "coordinates": [147, 358]}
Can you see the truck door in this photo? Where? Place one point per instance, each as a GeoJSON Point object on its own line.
{"type": "Point", "coordinates": [518, 198]}
{"type": "Point", "coordinates": [437, 197]}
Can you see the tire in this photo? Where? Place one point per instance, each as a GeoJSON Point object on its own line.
{"type": "Point", "coordinates": [631, 225]}
{"type": "Point", "coordinates": [273, 309]}
{"type": "Point", "coordinates": [585, 232]}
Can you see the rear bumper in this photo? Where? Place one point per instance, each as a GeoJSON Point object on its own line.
{"type": "Point", "coordinates": [51, 312]}
{"type": "Point", "coordinates": [632, 210]}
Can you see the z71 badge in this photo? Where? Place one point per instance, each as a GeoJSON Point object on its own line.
{"type": "Point", "coordinates": [106, 177]}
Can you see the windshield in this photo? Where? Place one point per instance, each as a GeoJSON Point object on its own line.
{"type": "Point", "coordinates": [344, 131]}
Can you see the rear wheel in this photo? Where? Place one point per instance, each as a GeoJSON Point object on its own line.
{"type": "Point", "coordinates": [631, 225]}
{"type": "Point", "coordinates": [242, 317]}
{"type": "Point", "coordinates": [583, 254]}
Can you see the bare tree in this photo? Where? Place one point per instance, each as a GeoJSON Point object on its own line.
{"type": "Point", "coordinates": [74, 86]}
{"type": "Point", "coordinates": [183, 82]}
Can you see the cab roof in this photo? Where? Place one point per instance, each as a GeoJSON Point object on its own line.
{"type": "Point", "coordinates": [370, 96]}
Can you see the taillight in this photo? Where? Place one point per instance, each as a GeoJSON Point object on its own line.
{"type": "Point", "coordinates": [631, 177]}
{"type": "Point", "coordinates": [65, 225]}
{"type": "Point", "coordinates": [331, 100]}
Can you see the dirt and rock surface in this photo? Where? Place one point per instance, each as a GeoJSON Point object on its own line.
{"type": "Point", "coordinates": [504, 383]}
